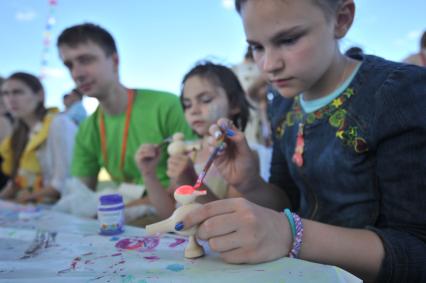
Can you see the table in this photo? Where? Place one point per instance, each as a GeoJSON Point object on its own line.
{"type": "Point", "coordinates": [58, 247]}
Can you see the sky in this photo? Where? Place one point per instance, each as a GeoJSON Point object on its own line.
{"type": "Point", "coordinates": [159, 41]}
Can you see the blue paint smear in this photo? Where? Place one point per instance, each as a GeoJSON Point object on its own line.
{"type": "Point", "coordinates": [175, 267]}
{"type": "Point", "coordinates": [114, 239]}
{"type": "Point", "coordinates": [128, 279]}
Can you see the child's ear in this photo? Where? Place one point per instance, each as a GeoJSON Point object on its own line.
{"type": "Point", "coordinates": [344, 18]}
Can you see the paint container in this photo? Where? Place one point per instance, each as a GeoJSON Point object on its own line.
{"type": "Point", "coordinates": [111, 214]}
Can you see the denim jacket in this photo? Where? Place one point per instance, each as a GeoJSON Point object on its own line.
{"type": "Point", "coordinates": [364, 161]}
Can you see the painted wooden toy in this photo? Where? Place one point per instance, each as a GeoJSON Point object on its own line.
{"type": "Point", "coordinates": [185, 196]}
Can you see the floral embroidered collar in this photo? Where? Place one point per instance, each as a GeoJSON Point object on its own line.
{"type": "Point", "coordinates": [336, 115]}
{"type": "Point", "coordinates": [296, 114]}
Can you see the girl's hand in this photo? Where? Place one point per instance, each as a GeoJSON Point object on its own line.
{"type": "Point", "coordinates": [147, 158]}
{"type": "Point", "coordinates": [241, 231]}
{"type": "Point", "coordinates": [25, 196]}
{"type": "Point", "coordinates": [9, 191]}
{"type": "Point", "coordinates": [237, 164]}
{"type": "Point", "coordinates": [181, 169]}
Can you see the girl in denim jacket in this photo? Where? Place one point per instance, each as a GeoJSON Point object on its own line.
{"type": "Point", "coordinates": [349, 153]}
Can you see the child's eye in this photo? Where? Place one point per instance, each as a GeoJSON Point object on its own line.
{"type": "Point", "coordinates": [206, 99]}
{"type": "Point", "coordinates": [288, 40]}
{"type": "Point", "coordinates": [186, 105]}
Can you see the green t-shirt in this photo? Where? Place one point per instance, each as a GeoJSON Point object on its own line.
{"type": "Point", "coordinates": [155, 116]}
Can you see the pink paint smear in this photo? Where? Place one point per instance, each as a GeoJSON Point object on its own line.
{"type": "Point", "coordinates": [177, 243]}
{"type": "Point", "coordinates": [152, 258]}
{"type": "Point", "coordinates": [141, 244]}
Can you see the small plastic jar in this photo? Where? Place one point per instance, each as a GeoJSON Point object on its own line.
{"type": "Point", "coordinates": [111, 214]}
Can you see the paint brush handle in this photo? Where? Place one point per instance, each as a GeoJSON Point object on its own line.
{"type": "Point", "coordinates": [208, 164]}
{"type": "Point", "coordinates": [166, 140]}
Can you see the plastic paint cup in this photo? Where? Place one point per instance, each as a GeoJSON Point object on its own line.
{"type": "Point", "coordinates": [111, 214]}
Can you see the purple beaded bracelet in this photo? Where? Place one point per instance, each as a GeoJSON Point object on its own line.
{"type": "Point", "coordinates": [297, 241]}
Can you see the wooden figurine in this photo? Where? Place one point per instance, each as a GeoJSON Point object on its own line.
{"type": "Point", "coordinates": [185, 196]}
{"type": "Point", "coordinates": [179, 146]}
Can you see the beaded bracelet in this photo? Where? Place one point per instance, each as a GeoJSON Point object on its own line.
{"type": "Point", "coordinates": [297, 242]}
{"type": "Point", "coordinates": [290, 219]}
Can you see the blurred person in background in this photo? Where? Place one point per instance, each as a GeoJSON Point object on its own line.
{"type": "Point", "coordinates": [74, 108]}
{"type": "Point", "coordinates": [37, 154]}
{"type": "Point", "coordinates": [418, 58]}
{"type": "Point", "coordinates": [6, 121]}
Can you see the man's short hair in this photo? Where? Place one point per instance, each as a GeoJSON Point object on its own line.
{"type": "Point", "coordinates": [86, 32]}
{"type": "Point", "coordinates": [77, 92]}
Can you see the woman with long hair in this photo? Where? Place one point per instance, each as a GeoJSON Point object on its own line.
{"type": "Point", "coordinates": [36, 156]}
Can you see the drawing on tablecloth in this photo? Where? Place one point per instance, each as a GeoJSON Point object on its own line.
{"type": "Point", "coordinates": [78, 253]}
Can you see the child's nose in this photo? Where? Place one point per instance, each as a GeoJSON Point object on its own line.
{"type": "Point", "coordinates": [195, 109]}
{"type": "Point", "coordinates": [271, 61]}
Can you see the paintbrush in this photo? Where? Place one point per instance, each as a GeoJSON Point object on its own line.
{"type": "Point", "coordinates": [166, 140]}
{"type": "Point", "coordinates": [219, 136]}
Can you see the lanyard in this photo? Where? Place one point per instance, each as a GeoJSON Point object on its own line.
{"type": "Point", "coordinates": [130, 95]}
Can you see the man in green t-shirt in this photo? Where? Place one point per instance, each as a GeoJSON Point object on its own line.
{"type": "Point", "coordinates": [125, 118]}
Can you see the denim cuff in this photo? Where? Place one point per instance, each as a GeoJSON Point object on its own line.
{"type": "Point", "coordinates": [405, 256]}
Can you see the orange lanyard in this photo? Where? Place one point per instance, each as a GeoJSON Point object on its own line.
{"type": "Point", "coordinates": [130, 95]}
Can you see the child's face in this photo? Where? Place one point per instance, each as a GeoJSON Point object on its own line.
{"type": "Point", "coordinates": [204, 103]}
{"type": "Point", "coordinates": [293, 43]}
